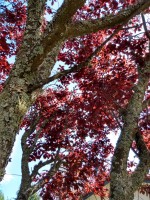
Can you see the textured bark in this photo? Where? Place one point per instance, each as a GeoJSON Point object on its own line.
{"type": "Point", "coordinates": [16, 98]}
{"type": "Point", "coordinates": [38, 50]}
{"type": "Point", "coordinates": [26, 188]}
{"type": "Point", "coordinates": [24, 191]}
{"type": "Point", "coordinates": [14, 104]}
{"type": "Point", "coordinates": [123, 185]}
{"type": "Point", "coordinates": [85, 27]}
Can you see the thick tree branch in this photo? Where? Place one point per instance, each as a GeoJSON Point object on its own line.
{"type": "Point", "coordinates": [15, 97]}
{"type": "Point", "coordinates": [35, 13]}
{"type": "Point", "coordinates": [135, 106]}
{"type": "Point", "coordinates": [15, 101]}
{"type": "Point", "coordinates": [86, 63]}
{"type": "Point", "coordinates": [35, 9]}
{"type": "Point", "coordinates": [13, 106]}
{"type": "Point", "coordinates": [55, 32]}
{"type": "Point", "coordinates": [80, 28]}
{"type": "Point", "coordinates": [144, 163]}
{"type": "Point", "coordinates": [26, 181]}
{"type": "Point", "coordinates": [65, 13]}
{"type": "Point", "coordinates": [26, 151]}
{"type": "Point", "coordinates": [130, 119]}
{"type": "Point", "coordinates": [119, 175]}
{"type": "Point", "coordinates": [53, 169]}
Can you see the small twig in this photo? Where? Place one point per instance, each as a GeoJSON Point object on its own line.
{"type": "Point", "coordinates": [134, 152]}
{"type": "Point", "coordinates": [117, 120]}
{"type": "Point", "coordinates": [145, 28]}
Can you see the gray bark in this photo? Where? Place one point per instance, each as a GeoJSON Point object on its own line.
{"type": "Point", "coordinates": [40, 50]}
{"type": "Point", "coordinates": [122, 184]}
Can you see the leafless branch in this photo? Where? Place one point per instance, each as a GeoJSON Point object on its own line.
{"type": "Point", "coordinates": [134, 152]}
{"type": "Point", "coordinates": [145, 26]}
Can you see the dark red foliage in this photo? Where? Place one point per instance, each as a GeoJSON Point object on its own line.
{"type": "Point", "coordinates": [77, 124]}
{"type": "Point", "coordinates": [12, 23]}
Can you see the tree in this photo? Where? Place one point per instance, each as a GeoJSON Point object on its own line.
{"type": "Point", "coordinates": [1, 196]}
{"type": "Point", "coordinates": [34, 197]}
{"type": "Point", "coordinates": [105, 46]}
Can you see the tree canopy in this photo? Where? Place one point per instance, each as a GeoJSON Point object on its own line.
{"type": "Point", "coordinates": [81, 73]}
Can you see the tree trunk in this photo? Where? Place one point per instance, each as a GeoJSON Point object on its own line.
{"type": "Point", "coordinates": [14, 104]}
{"type": "Point", "coordinates": [23, 192]}
{"type": "Point", "coordinates": [123, 185]}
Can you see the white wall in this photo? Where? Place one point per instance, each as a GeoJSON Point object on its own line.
{"type": "Point", "coordinates": [137, 196]}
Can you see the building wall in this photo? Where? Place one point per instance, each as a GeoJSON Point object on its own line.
{"type": "Point", "coordinates": [137, 196]}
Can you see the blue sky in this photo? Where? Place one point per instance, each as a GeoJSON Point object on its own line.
{"type": "Point", "coordinates": [11, 182]}
{"type": "Point", "coordinates": [10, 185]}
